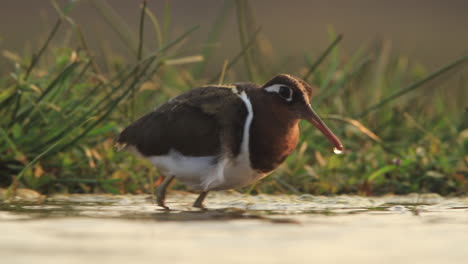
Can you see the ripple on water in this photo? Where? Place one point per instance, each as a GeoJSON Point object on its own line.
{"type": "Point", "coordinates": [236, 228]}
{"type": "Point", "coordinates": [261, 206]}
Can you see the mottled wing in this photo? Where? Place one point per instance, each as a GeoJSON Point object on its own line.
{"type": "Point", "coordinates": [192, 124]}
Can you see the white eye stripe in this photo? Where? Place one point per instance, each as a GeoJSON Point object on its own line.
{"type": "Point", "coordinates": [275, 88]}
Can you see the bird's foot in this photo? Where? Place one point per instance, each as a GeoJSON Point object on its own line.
{"type": "Point", "coordinates": [199, 205]}
{"type": "Point", "coordinates": [161, 203]}
{"type": "Point", "coordinates": [161, 197]}
{"type": "Point", "coordinates": [199, 202]}
{"type": "Point", "coordinates": [161, 192]}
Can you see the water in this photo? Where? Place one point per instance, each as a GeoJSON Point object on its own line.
{"type": "Point", "coordinates": [234, 229]}
{"type": "Point", "coordinates": [337, 151]}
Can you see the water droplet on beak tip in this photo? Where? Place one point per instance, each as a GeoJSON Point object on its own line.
{"type": "Point", "coordinates": [337, 151]}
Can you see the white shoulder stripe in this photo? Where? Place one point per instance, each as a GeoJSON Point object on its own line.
{"type": "Point", "coordinates": [248, 122]}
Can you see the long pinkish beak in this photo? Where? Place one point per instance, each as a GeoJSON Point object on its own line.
{"type": "Point", "coordinates": [314, 119]}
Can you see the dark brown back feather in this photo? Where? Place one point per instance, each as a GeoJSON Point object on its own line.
{"type": "Point", "coordinates": [194, 124]}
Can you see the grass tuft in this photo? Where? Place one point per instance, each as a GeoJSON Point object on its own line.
{"type": "Point", "coordinates": [60, 111]}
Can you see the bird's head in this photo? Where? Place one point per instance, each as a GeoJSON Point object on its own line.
{"type": "Point", "coordinates": [293, 95]}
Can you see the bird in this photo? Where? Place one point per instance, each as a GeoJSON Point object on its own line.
{"type": "Point", "coordinates": [220, 137]}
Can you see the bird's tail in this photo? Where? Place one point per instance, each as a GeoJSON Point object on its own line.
{"type": "Point", "coordinates": [120, 142]}
{"type": "Point", "coordinates": [120, 146]}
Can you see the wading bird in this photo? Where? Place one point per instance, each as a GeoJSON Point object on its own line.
{"type": "Point", "coordinates": [224, 137]}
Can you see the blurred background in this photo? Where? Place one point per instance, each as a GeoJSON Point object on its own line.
{"type": "Point", "coordinates": [430, 32]}
{"type": "Point", "coordinates": [389, 77]}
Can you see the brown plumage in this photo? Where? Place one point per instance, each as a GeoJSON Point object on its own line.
{"type": "Point", "coordinates": [211, 136]}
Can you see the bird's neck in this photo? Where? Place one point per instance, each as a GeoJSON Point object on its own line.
{"type": "Point", "coordinates": [273, 136]}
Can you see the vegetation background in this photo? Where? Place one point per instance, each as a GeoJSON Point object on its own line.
{"type": "Point", "coordinates": [390, 80]}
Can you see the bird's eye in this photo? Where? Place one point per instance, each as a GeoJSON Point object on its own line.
{"type": "Point", "coordinates": [283, 91]}
{"type": "Point", "coordinates": [286, 93]}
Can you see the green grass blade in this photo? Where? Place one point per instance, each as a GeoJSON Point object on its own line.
{"type": "Point", "coordinates": [9, 142]}
{"type": "Point", "coordinates": [54, 84]}
{"type": "Point", "coordinates": [18, 177]}
{"type": "Point", "coordinates": [109, 108]}
{"type": "Point", "coordinates": [98, 107]}
{"type": "Point", "coordinates": [249, 44]}
{"type": "Point", "coordinates": [140, 32]}
{"type": "Point", "coordinates": [117, 23]}
{"type": "Point", "coordinates": [241, 23]}
{"type": "Point", "coordinates": [156, 26]}
{"type": "Point", "coordinates": [213, 37]}
{"type": "Point", "coordinates": [340, 84]}
{"type": "Point", "coordinates": [167, 21]}
{"type": "Point", "coordinates": [35, 58]}
{"type": "Point", "coordinates": [169, 45]}
{"type": "Point", "coordinates": [414, 86]}
{"type": "Point", "coordinates": [322, 57]}
{"type": "Point", "coordinates": [380, 172]}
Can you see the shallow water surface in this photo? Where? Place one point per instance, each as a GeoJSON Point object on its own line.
{"type": "Point", "coordinates": [235, 228]}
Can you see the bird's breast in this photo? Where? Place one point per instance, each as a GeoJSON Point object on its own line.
{"type": "Point", "coordinates": [272, 146]}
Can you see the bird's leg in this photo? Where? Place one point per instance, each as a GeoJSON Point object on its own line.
{"type": "Point", "coordinates": [199, 202]}
{"type": "Point", "coordinates": [159, 180]}
{"type": "Point", "coordinates": [161, 191]}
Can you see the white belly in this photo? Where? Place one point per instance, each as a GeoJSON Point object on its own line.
{"type": "Point", "coordinates": [205, 173]}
